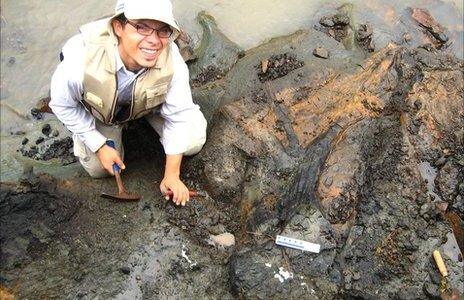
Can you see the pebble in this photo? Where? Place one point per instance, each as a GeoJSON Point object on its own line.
{"type": "Point", "coordinates": [55, 133]}
{"type": "Point", "coordinates": [24, 141]}
{"type": "Point", "coordinates": [125, 270]}
{"type": "Point", "coordinates": [326, 21]}
{"type": "Point", "coordinates": [407, 37]}
{"type": "Point", "coordinates": [441, 37]}
{"type": "Point", "coordinates": [39, 140]}
{"type": "Point", "coordinates": [46, 128]}
{"type": "Point", "coordinates": [138, 277]}
{"type": "Point", "coordinates": [321, 52]}
{"type": "Point", "coordinates": [341, 19]}
{"type": "Point", "coordinates": [224, 239]}
{"type": "Point", "coordinates": [36, 114]}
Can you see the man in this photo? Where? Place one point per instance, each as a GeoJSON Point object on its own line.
{"type": "Point", "coordinates": [120, 69]}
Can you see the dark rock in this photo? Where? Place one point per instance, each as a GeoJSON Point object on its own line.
{"type": "Point", "coordinates": [278, 66]}
{"type": "Point", "coordinates": [321, 52]}
{"type": "Point", "coordinates": [341, 19]}
{"type": "Point", "coordinates": [125, 270]}
{"type": "Point", "coordinates": [11, 60]}
{"type": "Point", "coordinates": [364, 37]}
{"type": "Point", "coordinates": [326, 21]}
{"type": "Point", "coordinates": [24, 141]}
{"type": "Point", "coordinates": [210, 74]}
{"type": "Point", "coordinates": [36, 114]}
{"type": "Point", "coordinates": [61, 149]}
{"type": "Point", "coordinates": [337, 25]}
{"type": "Point", "coordinates": [39, 140]}
{"type": "Point", "coordinates": [46, 129]}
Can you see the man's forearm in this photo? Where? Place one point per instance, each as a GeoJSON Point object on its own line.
{"type": "Point", "coordinates": [172, 168]}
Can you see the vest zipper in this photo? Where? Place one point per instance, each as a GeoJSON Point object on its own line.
{"type": "Point", "coordinates": [115, 99]}
{"type": "Point", "coordinates": [132, 99]}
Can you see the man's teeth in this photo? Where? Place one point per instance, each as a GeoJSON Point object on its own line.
{"type": "Point", "coordinates": [149, 51]}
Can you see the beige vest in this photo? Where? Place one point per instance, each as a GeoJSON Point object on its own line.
{"type": "Point", "coordinates": [100, 80]}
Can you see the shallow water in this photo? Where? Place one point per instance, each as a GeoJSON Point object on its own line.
{"type": "Point", "coordinates": [249, 23]}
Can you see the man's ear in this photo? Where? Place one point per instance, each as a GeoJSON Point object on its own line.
{"type": "Point", "coordinates": [117, 27]}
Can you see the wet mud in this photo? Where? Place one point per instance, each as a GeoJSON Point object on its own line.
{"type": "Point", "coordinates": [361, 153]}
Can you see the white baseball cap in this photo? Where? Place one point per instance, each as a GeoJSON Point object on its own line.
{"type": "Point", "coordinates": [160, 10]}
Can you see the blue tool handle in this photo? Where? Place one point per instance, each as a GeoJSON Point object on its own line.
{"type": "Point", "coordinates": [116, 168]}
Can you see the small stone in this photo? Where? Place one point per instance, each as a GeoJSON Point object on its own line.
{"type": "Point", "coordinates": [264, 65]}
{"type": "Point", "coordinates": [321, 52]}
{"type": "Point", "coordinates": [326, 21]}
{"type": "Point", "coordinates": [341, 19]}
{"type": "Point", "coordinates": [46, 129]}
{"type": "Point", "coordinates": [138, 277]}
{"type": "Point", "coordinates": [11, 60]}
{"type": "Point", "coordinates": [224, 239]}
{"type": "Point", "coordinates": [407, 37]}
{"type": "Point", "coordinates": [125, 270]}
{"type": "Point", "coordinates": [356, 276]}
{"type": "Point", "coordinates": [36, 114]}
{"type": "Point", "coordinates": [24, 141]}
{"type": "Point", "coordinates": [39, 140]}
{"type": "Point", "coordinates": [55, 133]}
{"type": "Point", "coordinates": [441, 37]}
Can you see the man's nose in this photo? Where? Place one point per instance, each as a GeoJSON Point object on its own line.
{"type": "Point", "coordinates": [153, 38]}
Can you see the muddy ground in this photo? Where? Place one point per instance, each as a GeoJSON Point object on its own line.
{"type": "Point", "coordinates": [362, 153]}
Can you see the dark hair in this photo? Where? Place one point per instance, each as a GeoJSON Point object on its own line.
{"type": "Point", "coordinates": [121, 19]}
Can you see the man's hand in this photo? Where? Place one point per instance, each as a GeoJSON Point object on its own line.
{"type": "Point", "coordinates": [172, 182]}
{"type": "Point", "coordinates": [108, 156]}
{"type": "Point", "coordinates": [180, 193]}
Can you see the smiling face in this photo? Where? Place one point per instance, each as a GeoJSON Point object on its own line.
{"type": "Point", "coordinates": [138, 51]}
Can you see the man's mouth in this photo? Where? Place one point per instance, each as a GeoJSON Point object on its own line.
{"type": "Point", "coordinates": [149, 51]}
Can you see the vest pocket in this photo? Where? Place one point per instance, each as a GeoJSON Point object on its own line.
{"type": "Point", "coordinates": [94, 99]}
{"type": "Point", "coordinates": [156, 95]}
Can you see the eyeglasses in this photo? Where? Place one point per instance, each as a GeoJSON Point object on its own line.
{"type": "Point", "coordinates": [163, 32]}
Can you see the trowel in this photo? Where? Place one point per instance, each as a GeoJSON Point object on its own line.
{"type": "Point", "coordinates": [122, 195]}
